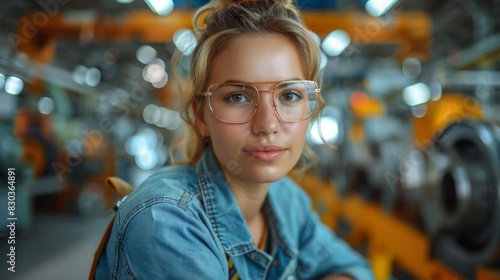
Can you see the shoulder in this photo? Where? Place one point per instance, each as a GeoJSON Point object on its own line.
{"type": "Point", "coordinates": [170, 181]}
{"type": "Point", "coordinates": [176, 185]}
{"type": "Point", "coordinates": [164, 219]}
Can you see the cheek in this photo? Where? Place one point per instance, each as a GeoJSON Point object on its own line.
{"type": "Point", "coordinates": [297, 131]}
{"type": "Point", "coordinates": [227, 141]}
{"type": "Point", "coordinates": [228, 136]}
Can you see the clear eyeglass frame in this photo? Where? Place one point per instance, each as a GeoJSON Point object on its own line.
{"type": "Point", "coordinates": [208, 94]}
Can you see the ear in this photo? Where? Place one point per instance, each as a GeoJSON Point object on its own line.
{"type": "Point", "coordinates": [200, 118]}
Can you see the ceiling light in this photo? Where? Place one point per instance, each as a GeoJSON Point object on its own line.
{"type": "Point", "coordinates": [154, 72]}
{"type": "Point", "coordinates": [14, 85]}
{"type": "Point", "coordinates": [151, 114]}
{"type": "Point", "coordinates": [161, 83]}
{"type": "Point", "coordinates": [327, 130]}
{"type": "Point", "coordinates": [377, 8]}
{"type": "Point", "coordinates": [145, 54]}
{"type": "Point", "coordinates": [93, 77]}
{"type": "Point", "coordinates": [146, 160]}
{"type": "Point", "coordinates": [79, 74]}
{"type": "Point", "coordinates": [336, 42]}
{"type": "Point", "coordinates": [45, 105]}
{"type": "Point", "coordinates": [161, 7]}
{"type": "Point", "coordinates": [185, 41]}
{"type": "Point", "coordinates": [416, 94]}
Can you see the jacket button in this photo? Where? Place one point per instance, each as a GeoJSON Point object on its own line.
{"type": "Point", "coordinates": [290, 277]}
{"type": "Point", "coordinates": [276, 263]}
{"type": "Point", "coordinates": [254, 257]}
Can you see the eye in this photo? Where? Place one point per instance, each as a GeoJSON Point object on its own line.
{"type": "Point", "coordinates": [237, 98]}
{"type": "Point", "coordinates": [291, 97]}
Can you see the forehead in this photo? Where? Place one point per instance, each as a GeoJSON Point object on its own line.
{"type": "Point", "coordinates": [258, 58]}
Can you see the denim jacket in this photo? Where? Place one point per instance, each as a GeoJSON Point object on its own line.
{"type": "Point", "coordinates": [183, 223]}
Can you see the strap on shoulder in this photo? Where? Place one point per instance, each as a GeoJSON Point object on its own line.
{"type": "Point", "coordinates": [123, 189]}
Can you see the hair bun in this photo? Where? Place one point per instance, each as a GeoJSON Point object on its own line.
{"type": "Point", "coordinates": [217, 11]}
{"type": "Point", "coordinates": [288, 4]}
{"type": "Point", "coordinates": [271, 1]}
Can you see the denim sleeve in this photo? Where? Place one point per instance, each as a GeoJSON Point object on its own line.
{"type": "Point", "coordinates": [322, 253]}
{"type": "Point", "coordinates": [164, 241]}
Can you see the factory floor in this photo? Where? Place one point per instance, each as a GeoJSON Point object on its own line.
{"type": "Point", "coordinates": [55, 247]}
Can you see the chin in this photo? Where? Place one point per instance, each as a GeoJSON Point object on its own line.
{"type": "Point", "coordinates": [262, 175]}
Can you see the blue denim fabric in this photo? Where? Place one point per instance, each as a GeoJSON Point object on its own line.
{"type": "Point", "coordinates": [183, 222]}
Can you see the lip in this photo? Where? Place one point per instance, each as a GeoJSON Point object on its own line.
{"type": "Point", "coordinates": [265, 153]}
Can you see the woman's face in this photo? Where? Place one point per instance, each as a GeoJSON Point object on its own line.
{"type": "Point", "coordinates": [266, 148]}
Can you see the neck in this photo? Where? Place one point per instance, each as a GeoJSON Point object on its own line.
{"type": "Point", "coordinates": [250, 199]}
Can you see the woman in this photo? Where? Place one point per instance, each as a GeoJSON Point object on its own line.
{"type": "Point", "coordinates": [231, 212]}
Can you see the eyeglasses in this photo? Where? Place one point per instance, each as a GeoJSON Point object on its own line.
{"type": "Point", "coordinates": [237, 103]}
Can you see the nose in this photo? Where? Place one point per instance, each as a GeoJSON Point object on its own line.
{"type": "Point", "coordinates": [265, 121]}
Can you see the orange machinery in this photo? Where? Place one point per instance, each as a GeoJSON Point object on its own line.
{"type": "Point", "coordinates": [390, 240]}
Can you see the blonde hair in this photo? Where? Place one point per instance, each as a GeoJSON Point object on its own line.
{"type": "Point", "coordinates": [218, 22]}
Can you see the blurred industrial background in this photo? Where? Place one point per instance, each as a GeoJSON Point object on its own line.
{"type": "Point", "coordinates": [413, 95]}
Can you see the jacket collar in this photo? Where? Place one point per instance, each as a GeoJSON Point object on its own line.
{"type": "Point", "coordinates": [225, 215]}
{"type": "Point", "coordinates": [221, 206]}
